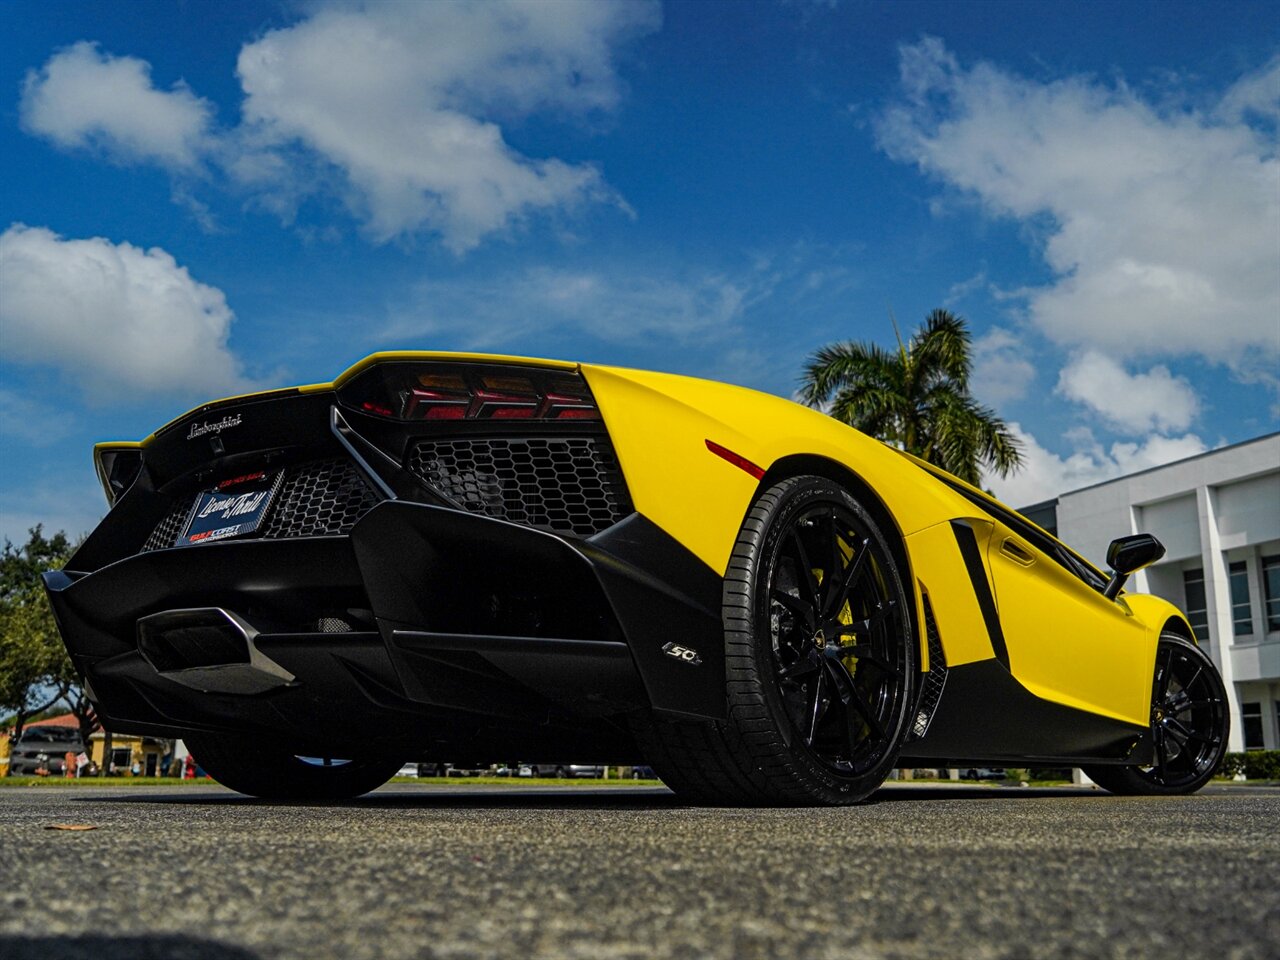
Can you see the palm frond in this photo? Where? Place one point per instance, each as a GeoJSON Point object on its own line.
{"type": "Point", "coordinates": [941, 350]}
{"type": "Point", "coordinates": [838, 364]}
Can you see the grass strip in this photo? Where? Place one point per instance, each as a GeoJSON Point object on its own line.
{"type": "Point", "coordinates": [429, 781]}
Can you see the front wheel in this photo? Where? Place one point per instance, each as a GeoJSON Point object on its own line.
{"type": "Point", "coordinates": [1189, 726]}
{"type": "Point", "coordinates": [820, 658]}
{"type": "Point", "coordinates": [246, 766]}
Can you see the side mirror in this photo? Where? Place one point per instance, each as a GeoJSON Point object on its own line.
{"type": "Point", "coordinates": [1128, 555]}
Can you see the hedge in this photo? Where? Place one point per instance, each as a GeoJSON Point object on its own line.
{"type": "Point", "coordinates": [1254, 764]}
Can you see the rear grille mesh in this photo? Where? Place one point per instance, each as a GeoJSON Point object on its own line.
{"type": "Point", "coordinates": [315, 499]}
{"type": "Point", "coordinates": [567, 485]}
{"type": "Point", "coordinates": [168, 529]}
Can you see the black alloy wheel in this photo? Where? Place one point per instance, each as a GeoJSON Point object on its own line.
{"type": "Point", "coordinates": [821, 660]}
{"type": "Point", "coordinates": [840, 674]}
{"type": "Point", "coordinates": [1190, 722]}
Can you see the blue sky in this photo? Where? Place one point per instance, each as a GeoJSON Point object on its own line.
{"type": "Point", "coordinates": [198, 199]}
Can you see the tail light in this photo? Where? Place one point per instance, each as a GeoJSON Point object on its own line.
{"type": "Point", "coordinates": [416, 392]}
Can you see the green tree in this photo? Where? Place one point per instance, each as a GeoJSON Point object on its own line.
{"type": "Point", "coordinates": [35, 671]}
{"type": "Point", "coordinates": [31, 651]}
{"type": "Point", "coordinates": [916, 397]}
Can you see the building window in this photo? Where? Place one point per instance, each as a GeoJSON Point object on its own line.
{"type": "Point", "coordinates": [1241, 609]}
{"type": "Point", "coordinates": [1196, 607]}
{"type": "Point", "coordinates": [1251, 721]}
{"type": "Point", "coordinates": [1271, 586]}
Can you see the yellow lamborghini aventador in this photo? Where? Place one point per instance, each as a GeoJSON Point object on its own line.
{"type": "Point", "coordinates": [478, 558]}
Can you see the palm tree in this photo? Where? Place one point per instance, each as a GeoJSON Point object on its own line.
{"type": "Point", "coordinates": [916, 398]}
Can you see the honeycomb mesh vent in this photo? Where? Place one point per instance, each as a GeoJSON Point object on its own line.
{"type": "Point", "coordinates": [320, 498]}
{"type": "Point", "coordinates": [568, 485]}
{"type": "Point", "coordinates": [934, 680]}
{"type": "Point", "coordinates": [167, 530]}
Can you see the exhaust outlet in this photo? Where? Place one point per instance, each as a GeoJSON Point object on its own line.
{"type": "Point", "coordinates": [209, 649]}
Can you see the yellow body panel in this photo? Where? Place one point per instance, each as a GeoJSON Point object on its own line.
{"type": "Point", "coordinates": [1066, 641]}
{"type": "Point", "coordinates": [961, 627]}
{"type": "Point", "coordinates": [659, 424]}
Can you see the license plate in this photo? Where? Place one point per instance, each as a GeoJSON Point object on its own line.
{"type": "Point", "coordinates": [234, 508]}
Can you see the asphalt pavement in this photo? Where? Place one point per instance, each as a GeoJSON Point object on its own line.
{"type": "Point", "coordinates": [421, 871]}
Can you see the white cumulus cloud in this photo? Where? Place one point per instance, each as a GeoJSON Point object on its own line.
{"type": "Point", "coordinates": [117, 320]}
{"type": "Point", "coordinates": [1132, 403]}
{"type": "Point", "coordinates": [83, 97]}
{"type": "Point", "coordinates": [1163, 223]}
{"type": "Point", "coordinates": [1046, 474]}
{"type": "Point", "coordinates": [1001, 369]}
{"type": "Point", "coordinates": [406, 101]}
{"type": "Point", "coordinates": [398, 110]}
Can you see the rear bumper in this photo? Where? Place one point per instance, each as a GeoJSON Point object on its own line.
{"type": "Point", "coordinates": [456, 632]}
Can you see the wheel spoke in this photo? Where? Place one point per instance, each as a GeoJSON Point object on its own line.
{"type": "Point", "coordinates": [806, 570]}
{"type": "Point", "coordinates": [806, 664]}
{"type": "Point", "coordinates": [816, 710]}
{"type": "Point", "coordinates": [840, 589]}
{"type": "Point", "coordinates": [836, 562]}
{"type": "Point", "coordinates": [1197, 704]}
{"type": "Point", "coordinates": [1190, 683]}
{"type": "Point", "coordinates": [852, 732]}
{"type": "Point", "coordinates": [1203, 738]}
{"type": "Point", "coordinates": [1176, 730]}
{"type": "Point", "coordinates": [850, 697]}
{"type": "Point", "coordinates": [1162, 691]}
{"type": "Point", "coordinates": [864, 652]}
{"type": "Point", "coordinates": [865, 626]}
{"type": "Point", "coordinates": [1162, 753]}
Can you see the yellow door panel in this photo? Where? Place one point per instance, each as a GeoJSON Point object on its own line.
{"type": "Point", "coordinates": [1067, 642]}
{"type": "Point", "coordinates": [939, 565]}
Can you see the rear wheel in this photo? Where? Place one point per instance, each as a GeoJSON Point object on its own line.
{"type": "Point", "coordinates": [261, 771]}
{"type": "Point", "coordinates": [820, 660]}
{"type": "Point", "coordinates": [1189, 726]}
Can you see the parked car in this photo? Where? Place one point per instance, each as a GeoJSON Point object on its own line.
{"type": "Point", "coordinates": [560, 771]}
{"type": "Point", "coordinates": [983, 773]}
{"type": "Point", "coordinates": [643, 773]}
{"type": "Point", "coordinates": [408, 770]}
{"type": "Point", "coordinates": [491, 556]}
{"type": "Point", "coordinates": [44, 748]}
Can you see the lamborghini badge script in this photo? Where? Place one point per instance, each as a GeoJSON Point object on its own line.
{"type": "Point", "coordinates": [217, 426]}
{"type": "Point", "coordinates": [687, 654]}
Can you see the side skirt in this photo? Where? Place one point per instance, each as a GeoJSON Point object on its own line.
{"type": "Point", "coordinates": [985, 713]}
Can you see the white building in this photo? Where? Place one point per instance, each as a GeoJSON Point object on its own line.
{"type": "Point", "coordinates": [1218, 515]}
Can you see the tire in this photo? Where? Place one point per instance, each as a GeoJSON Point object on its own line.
{"type": "Point", "coordinates": [807, 725]}
{"type": "Point", "coordinates": [1189, 726]}
{"type": "Point", "coordinates": [261, 771]}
